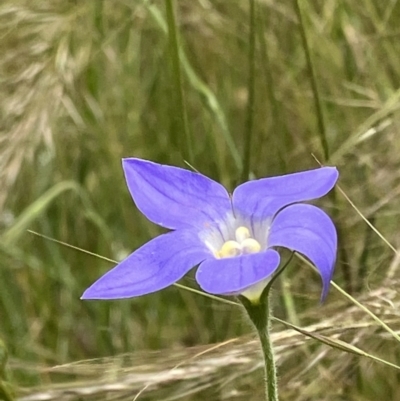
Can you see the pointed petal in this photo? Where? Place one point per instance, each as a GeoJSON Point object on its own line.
{"type": "Point", "coordinates": [233, 275]}
{"type": "Point", "coordinates": [156, 265]}
{"type": "Point", "coordinates": [173, 197]}
{"type": "Point", "coordinates": [263, 198]}
{"type": "Point", "coordinates": [309, 231]}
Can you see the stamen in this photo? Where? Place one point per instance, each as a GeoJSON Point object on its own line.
{"type": "Point", "coordinates": [241, 234]}
{"type": "Point", "coordinates": [250, 245]}
{"type": "Point", "coordinates": [229, 250]}
{"type": "Point", "coordinates": [244, 244]}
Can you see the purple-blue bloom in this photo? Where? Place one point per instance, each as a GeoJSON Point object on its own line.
{"type": "Point", "coordinates": [231, 237]}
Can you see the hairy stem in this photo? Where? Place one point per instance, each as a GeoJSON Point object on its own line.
{"type": "Point", "coordinates": [259, 314]}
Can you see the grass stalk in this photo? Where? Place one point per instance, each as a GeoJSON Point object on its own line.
{"type": "Point", "coordinates": [249, 125]}
{"type": "Point", "coordinates": [178, 82]}
{"type": "Point", "coordinates": [313, 80]}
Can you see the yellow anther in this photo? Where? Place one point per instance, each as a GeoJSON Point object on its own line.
{"type": "Point", "coordinates": [241, 234]}
{"type": "Point", "coordinates": [244, 244]}
{"type": "Point", "coordinates": [229, 250]}
{"type": "Point", "coordinates": [250, 245]}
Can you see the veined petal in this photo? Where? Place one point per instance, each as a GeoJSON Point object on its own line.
{"type": "Point", "coordinates": [264, 197]}
{"type": "Point", "coordinates": [156, 265]}
{"type": "Point", "coordinates": [233, 275]}
{"type": "Point", "coordinates": [173, 197]}
{"type": "Point", "coordinates": [309, 231]}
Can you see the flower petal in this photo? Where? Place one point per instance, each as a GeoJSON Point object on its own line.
{"type": "Point", "coordinates": [309, 231]}
{"type": "Point", "coordinates": [173, 197]}
{"type": "Point", "coordinates": [156, 265]}
{"type": "Point", "coordinates": [233, 275]}
{"type": "Point", "coordinates": [264, 197]}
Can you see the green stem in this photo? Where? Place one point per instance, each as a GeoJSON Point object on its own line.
{"type": "Point", "coordinates": [259, 314]}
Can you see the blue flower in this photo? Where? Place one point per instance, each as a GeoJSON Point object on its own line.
{"type": "Point", "coordinates": [231, 237]}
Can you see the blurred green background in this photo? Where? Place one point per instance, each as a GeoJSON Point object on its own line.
{"type": "Point", "coordinates": [248, 89]}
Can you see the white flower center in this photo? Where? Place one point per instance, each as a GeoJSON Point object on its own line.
{"type": "Point", "coordinates": [243, 244]}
